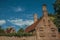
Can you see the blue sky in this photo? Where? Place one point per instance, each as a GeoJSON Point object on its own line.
{"type": "Point", "coordinates": [19, 13]}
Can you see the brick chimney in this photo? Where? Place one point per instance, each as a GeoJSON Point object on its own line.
{"type": "Point", "coordinates": [44, 9]}
{"type": "Point", "coordinates": [35, 17]}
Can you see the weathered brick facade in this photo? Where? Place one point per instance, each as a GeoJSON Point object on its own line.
{"type": "Point", "coordinates": [44, 28]}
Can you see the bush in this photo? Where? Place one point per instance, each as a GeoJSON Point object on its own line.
{"type": "Point", "coordinates": [15, 34]}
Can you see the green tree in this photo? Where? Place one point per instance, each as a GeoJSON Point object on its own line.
{"type": "Point", "coordinates": [57, 12]}
{"type": "Point", "coordinates": [1, 30]}
{"type": "Point", "coordinates": [21, 30]}
{"type": "Point", "coordinates": [52, 16]}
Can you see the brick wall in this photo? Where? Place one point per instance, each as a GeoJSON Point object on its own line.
{"type": "Point", "coordinates": [17, 38]}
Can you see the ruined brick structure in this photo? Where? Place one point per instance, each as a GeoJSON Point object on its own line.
{"type": "Point", "coordinates": [10, 30]}
{"type": "Point", "coordinates": [43, 28]}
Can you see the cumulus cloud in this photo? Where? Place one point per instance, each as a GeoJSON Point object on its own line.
{"type": "Point", "coordinates": [21, 22]}
{"type": "Point", "coordinates": [2, 22]}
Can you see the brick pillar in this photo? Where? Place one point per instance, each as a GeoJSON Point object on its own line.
{"type": "Point", "coordinates": [35, 17]}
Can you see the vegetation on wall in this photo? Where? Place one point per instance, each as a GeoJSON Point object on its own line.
{"type": "Point", "coordinates": [19, 33]}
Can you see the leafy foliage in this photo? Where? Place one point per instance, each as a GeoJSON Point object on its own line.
{"type": "Point", "coordinates": [20, 33]}
{"type": "Point", "coordinates": [1, 30]}
{"type": "Point", "coordinates": [57, 11]}
{"type": "Point", "coordinates": [21, 30]}
{"type": "Point", "coordinates": [52, 17]}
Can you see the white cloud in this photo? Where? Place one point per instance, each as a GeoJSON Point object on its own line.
{"type": "Point", "coordinates": [2, 22]}
{"type": "Point", "coordinates": [21, 22]}
{"type": "Point", "coordinates": [17, 9]}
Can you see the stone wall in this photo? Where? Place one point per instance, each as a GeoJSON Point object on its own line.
{"type": "Point", "coordinates": [17, 38]}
